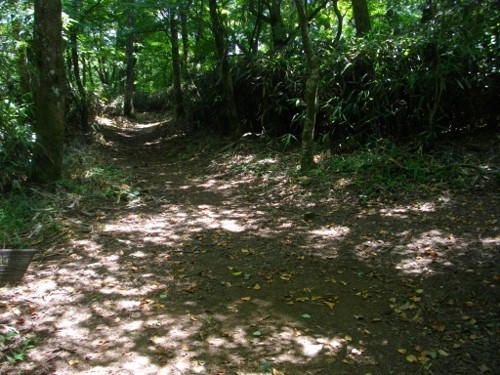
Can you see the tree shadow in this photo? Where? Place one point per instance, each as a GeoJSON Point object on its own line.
{"type": "Point", "coordinates": [208, 272]}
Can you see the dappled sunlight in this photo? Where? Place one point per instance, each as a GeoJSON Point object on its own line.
{"type": "Point", "coordinates": [234, 267]}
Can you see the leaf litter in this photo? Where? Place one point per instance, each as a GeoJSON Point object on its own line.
{"type": "Point", "coordinates": [219, 273]}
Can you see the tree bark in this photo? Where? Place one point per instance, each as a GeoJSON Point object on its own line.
{"type": "Point", "coordinates": [185, 40]}
{"type": "Point", "coordinates": [82, 94]}
{"type": "Point", "coordinates": [128, 95]}
{"type": "Point", "coordinates": [278, 29]}
{"type": "Point", "coordinates": [225, 69]}
{"type": "Point", "coordinates": [361, 17]}
{"type": "Point", "coordinates": [176, 64]}
{"type": "Point", "coordinates": [311, 95]}
{"type": "Point", "coordinates": [49, 92]}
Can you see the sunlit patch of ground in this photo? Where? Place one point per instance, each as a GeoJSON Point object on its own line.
{"type": "Point", "coordinates": [223, 265]}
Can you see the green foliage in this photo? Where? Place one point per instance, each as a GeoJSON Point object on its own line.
{"type": "Point", "coordinates": [384, 168]}
{"type": "Point", "coordinates": [14, 345]}
{"type": "Point", "coordinates": [29, 216]}
{"type": "Point", "coordinates": [439, 79]}
{"type": "Point", "coordinates": [16, 141]}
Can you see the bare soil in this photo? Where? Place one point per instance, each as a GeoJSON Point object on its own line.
{"type": "Point", "coordinates": [222, 262]}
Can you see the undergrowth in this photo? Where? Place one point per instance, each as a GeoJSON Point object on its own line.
{"type": "Point", "coordinates": [384, 169]}
{"type": "Point", "coordinates": [30, 215]}
{"type": "Point", "coordinates": [14, 344]}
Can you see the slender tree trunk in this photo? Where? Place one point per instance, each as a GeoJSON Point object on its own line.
{"type": "Point", "coordinates": [82, 94]}
{"type": "Point", "coordinates": [176, 64]}
{"type": "Point", "coordinates": [340, 20]}
{"type": "Point", "coordinates": [225, 69]}
{"type": "Point", "coordinates": [311, 95]}
{"type": "Point", "coordinates": [428, 12]}
{"type": "Point", "coordinates": [49, 92]}
{"type": "Point", "coordinates": [128, 96]}
{"type": "Point", "coordinates": [24, 69]}
{"type": "Point", "coordinates": [185, 41]}
{"type": "Point", "coordinates": [361, 17]}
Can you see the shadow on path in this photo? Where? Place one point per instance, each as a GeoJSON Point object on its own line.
{"type": "Point", "coordinates": [212, 271]}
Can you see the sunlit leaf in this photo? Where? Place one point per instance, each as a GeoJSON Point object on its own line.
{"type": "Point", "coordinates": [443, 353]}
{"type": "Point", "coordinates": [330, 305]}
{"type": "Point", "coordinates": [306, 316]}
{"type": "Point", "coordinates": [402, 351]}
{"type": "Point", "coordinates": [245, 299]}
{"type": "Point", "coordinates": [411, 358]}
{"type": "Point", "coordinates": [257, 333]}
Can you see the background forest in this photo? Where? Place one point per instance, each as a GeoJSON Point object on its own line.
{"type": "Point", "coordinates": [411, 71]}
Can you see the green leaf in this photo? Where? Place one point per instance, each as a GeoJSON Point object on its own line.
{"type": "Point", "coordinates": [306, 316]}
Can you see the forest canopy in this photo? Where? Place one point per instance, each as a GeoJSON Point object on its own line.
{"type": "Point", "coordinates": [409, 71]}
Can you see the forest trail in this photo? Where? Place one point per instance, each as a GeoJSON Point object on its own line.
{"type": "Point", "coordinates": [219, 261]}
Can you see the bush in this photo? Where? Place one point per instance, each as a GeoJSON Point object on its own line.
{"type": "Point", "coordinates": [16, 141]}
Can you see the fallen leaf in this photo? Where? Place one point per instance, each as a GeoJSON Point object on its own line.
{"type": "Point", "coordinates": [257, 333]}
{"type": "Point", "coordinates": [443, 353]}
{"type": "Point", "coordinates": [440, 327]}
{"type": "Point", "coordinates": [285, 276]}
{"type": "Point", "coordinates": [245, 299]}
{"type": "Point", "coordinates": [402, 351]}
{"type": "Point", "coordinates": [483, 368]}
{"type": "Point", "coordinates": [256, 287]}
{"type": "Point", "coordinates": [411, 358]}
{"type": "Point", "coordinates": [330, 305]}
{"type": "Point", "coordinates": [306, 316]}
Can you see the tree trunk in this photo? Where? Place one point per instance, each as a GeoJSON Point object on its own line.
{"type": "Point", "coordinates": [185, 41]}
{"type": "Point", "coordinates": [128, 95]}
{"type": "Point", "coordinates": [176, 64]}
{"type": "Point", "coordinates": [428, 12]}
{"type": "Point", "coordinates": [82, 94]}
{"type": "Point", "coordinates": [225, 70]}
{"type": "Point", "coordinates": [278, 29]}
{"type": "Point", "coordinates": [49, 92]}
{"type": "Point", "coordinates": [361, 17]}
{"type": "Point", "coordinates": [311, 95]}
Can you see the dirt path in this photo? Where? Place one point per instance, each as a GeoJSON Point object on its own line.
{"type": "Point", "coordinates": [224, 264]}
